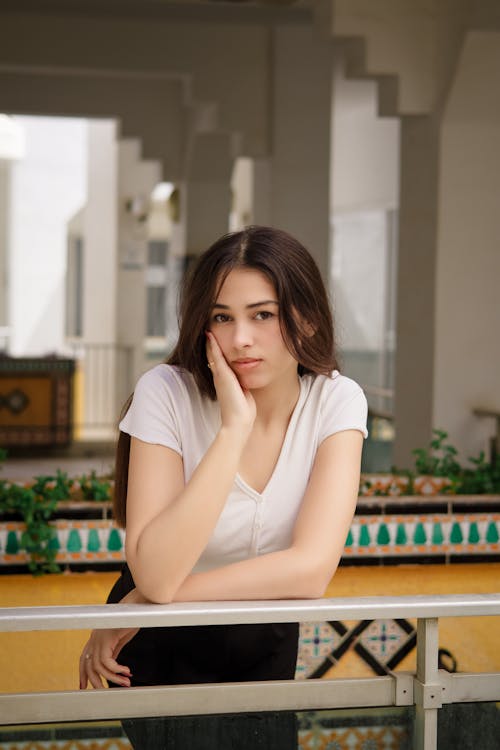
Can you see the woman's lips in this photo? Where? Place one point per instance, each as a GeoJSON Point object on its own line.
{"type": "Point", "coordinates": [246, 364]}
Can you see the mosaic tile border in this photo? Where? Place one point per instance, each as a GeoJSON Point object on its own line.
{"type": "Point", "coordinates": [370, 537]}
{"type": "Point", "coordinates": [424, 534]}
{"type": "Point", "coordinates": [354, 738]}
{"type": "Point", "coordinates": [91, 744]}
{"type": "Point", "coordinates": [93, 541]}
{"type": "Point", "coordinates": [381, 644]}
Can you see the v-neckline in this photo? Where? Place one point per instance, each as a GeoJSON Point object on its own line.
{"type": "Point", "coordinates": [291, 424]}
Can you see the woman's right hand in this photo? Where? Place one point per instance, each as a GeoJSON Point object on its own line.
{"type": "Point", "coordinates": [99, 656]}
{"type": "Point", "coordinates": [237, 405]}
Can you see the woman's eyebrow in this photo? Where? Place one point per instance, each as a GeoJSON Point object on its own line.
{"type": "Point", "coordinates": [254, 304]}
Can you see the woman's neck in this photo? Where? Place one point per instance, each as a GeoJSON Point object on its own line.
{"type": "Point", "coordinates": [277, 402]}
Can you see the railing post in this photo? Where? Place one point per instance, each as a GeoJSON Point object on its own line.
{"type": "Point", "coordinates": [427, 689]}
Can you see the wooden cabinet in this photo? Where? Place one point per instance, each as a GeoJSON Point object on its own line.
{"type": "Point", "coordinates": [36, 401]}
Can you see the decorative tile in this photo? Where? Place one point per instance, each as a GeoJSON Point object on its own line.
{"type": "Point", "coordinates": [384, 643]}
{"type": "Point", "coordinates": [317, 640]}
{"type": "Point", "coordinates": [370, 537]}
{"type": "Point", "coordinates": [307, 740]}
{"type": "Point", "coordinates": [90, 744]}
{"type": "Point", "coordinates": [362, 738]}
{"type": "Point", "coordinates": [423, 535]}
{"type": "Point", "coordinates": [76, 541]}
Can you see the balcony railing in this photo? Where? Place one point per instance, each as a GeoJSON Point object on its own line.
{"type": "Point", "coordinates": [428, 690]}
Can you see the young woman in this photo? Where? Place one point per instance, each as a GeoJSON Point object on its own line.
{"type": "Point", "coordinates": [237, 469]}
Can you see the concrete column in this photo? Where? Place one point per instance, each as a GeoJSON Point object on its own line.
{"type": "Point", "coordinates": [100, 282]}
{"type": "Point", "coordinates": [467, 350]}
{"type": "Point", "coordinates": [4, 245]}
{"type": "Point", "coordinates": [206, 192]}
{"type": "Point", "coordinates": [297, 182]}
{"type": "Point", "coordinates": [136, 180]}
{"type": "Point", "coordinates": [416, 284]}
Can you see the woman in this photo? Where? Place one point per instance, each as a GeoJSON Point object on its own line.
{"type": "Point", "coordinates": [243, 475]}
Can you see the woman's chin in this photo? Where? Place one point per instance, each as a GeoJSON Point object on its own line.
{"type": "Point", "coordinates": [250, 381]}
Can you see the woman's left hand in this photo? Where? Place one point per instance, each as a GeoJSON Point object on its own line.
{"type": "Point", "coordinates": [98, 659]}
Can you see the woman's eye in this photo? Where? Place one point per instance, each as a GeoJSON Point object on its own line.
{"type": "Point", "coordinates": [264, 315]}
{"type": "Point", "coordinates": [220, 318]}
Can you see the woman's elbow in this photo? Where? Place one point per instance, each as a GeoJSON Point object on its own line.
{"type": "Point", "coordinates": [154, 590]}
{"type": "Point", "coordinates": [318, 580]}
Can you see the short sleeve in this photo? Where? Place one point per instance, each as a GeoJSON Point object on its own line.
{"type": "Point", "coordinates": [345, 408]}
{"type": "Point", "coordinates": [152, 414]}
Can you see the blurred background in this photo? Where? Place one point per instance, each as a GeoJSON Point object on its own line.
{"type": "Point", "coordinates": [135, 132]}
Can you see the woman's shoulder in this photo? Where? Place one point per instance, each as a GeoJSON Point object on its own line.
{"type": "Point", "coordinates": [334, 386]}
{"type": "Point", "coordinates": [165, 378]}
{"type": "Point", "coordinates": [339, 403]}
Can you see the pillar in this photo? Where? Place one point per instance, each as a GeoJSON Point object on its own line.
{"type": "Point", "coordinates": [416, 282]}
{"type": "Point", "coordinates": [292, 188]}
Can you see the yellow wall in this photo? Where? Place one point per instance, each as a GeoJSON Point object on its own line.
{"type": "Point", "coordinates": [49, 661]}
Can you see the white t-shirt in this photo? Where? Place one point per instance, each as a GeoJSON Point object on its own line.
{"type": "Point", "coordinates": [168, 409]}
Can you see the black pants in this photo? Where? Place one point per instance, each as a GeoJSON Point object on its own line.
{"type": "Point", "coordinates": [210, 653]}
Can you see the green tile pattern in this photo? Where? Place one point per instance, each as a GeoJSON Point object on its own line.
{"type": "Point", "coordinates": [74, 542]}
{"type": "Point", "coordinates": [383, 537]}
{"type": "Point", "coordinates": [12, 546]}
{"type": "Point", "coordinates": [414, 535]}
{"type": "Point", "coordinates": [93, 541]}
{"type": "Point", "coordinates": [437, 533]}
{"type": "Point", "coordinates": [114, 541]}
{"type": "Point", "coordinates": [419, 537]}
{"type": "Point", "coordinates": [492, 533]}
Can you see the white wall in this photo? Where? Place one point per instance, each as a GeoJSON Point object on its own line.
{"type": "Point", "coordinates": [467, 349]}
{"type": "Point", "coordinates": [365, 183]}
{"type": "Point", "coordinates": [100, 248]}
{"type": "Point", "coordinates": [47, 187]}
{"type": "Point", "coordinates": [136, 178]}
{"type": "Point", "coordinates": [415, 38]}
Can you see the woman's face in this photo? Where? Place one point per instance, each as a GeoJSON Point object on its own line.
{"type": "Point", "coordinates": [245, 322]}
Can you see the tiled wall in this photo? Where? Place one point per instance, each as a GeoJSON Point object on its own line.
{"type": "Point", "coordinates": [382, 535]}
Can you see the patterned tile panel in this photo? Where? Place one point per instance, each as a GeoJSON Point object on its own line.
{"type": "Point", "coordinates": [424, 534]}
{"type": "Point", "coordinates": [398, 535]}
{"type": "Point", "coordinates": [91, 744]}
{"type": "Point", "coordinates": [381, 644]}
{"type": "Point", "coordinates": [93, 541]}
{"type": "Point", "coordinates": [361, 738]}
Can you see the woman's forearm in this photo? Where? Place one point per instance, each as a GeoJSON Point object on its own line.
{"type": "Point", "coordinates": [170, 545]}
{"type": "Point", "coordinates": [286, 574]}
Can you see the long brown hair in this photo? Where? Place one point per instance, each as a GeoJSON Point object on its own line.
{"type": "Point", "coordinates": [302, 299]}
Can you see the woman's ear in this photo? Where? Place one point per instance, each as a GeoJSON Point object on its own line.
{"type": "Point", "coordinates": [305, 327]}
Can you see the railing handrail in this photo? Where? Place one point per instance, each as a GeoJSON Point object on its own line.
{"type": "Point", "coordinates": [71, 617]}
{"type": "Point", "coordinates": [428, 689]}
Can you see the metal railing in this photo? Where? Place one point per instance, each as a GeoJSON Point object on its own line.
{"type": "Point", "coordinates": [106, 372]}
{"type": "Point", "coordinates": [428, 690]}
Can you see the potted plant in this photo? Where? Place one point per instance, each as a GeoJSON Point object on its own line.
{"type": "Point", "coordinates": [32, 506]}
{"type": "Point", "coordinates": [436, 467]}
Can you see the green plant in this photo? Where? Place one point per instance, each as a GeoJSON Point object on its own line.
{"type": "Point", "coordinates": [483, 478]}
{"type": "Point", "coordinates": [94, 488]}
{"type": "Point", "coordinates": [58, 487]}
{"type": "Point", "coordinates": [35, 504]}
{"type": "Point", "coordinates": [438, 459]}
{"type": "Point", "coordinates": [35, 507]}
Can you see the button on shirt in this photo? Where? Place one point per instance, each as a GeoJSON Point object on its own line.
{"type": "Point", "coordinates": [168, 409]}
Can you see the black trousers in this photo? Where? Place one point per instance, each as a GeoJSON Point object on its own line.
{"type": "Point", "coordinates": [210, 653]}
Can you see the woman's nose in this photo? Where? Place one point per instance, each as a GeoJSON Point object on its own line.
{"type": "Point", "coordinates": [242, 335]}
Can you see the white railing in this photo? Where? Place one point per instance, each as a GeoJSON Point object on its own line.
{"type": "Point", "coordinates": [427, 690]}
